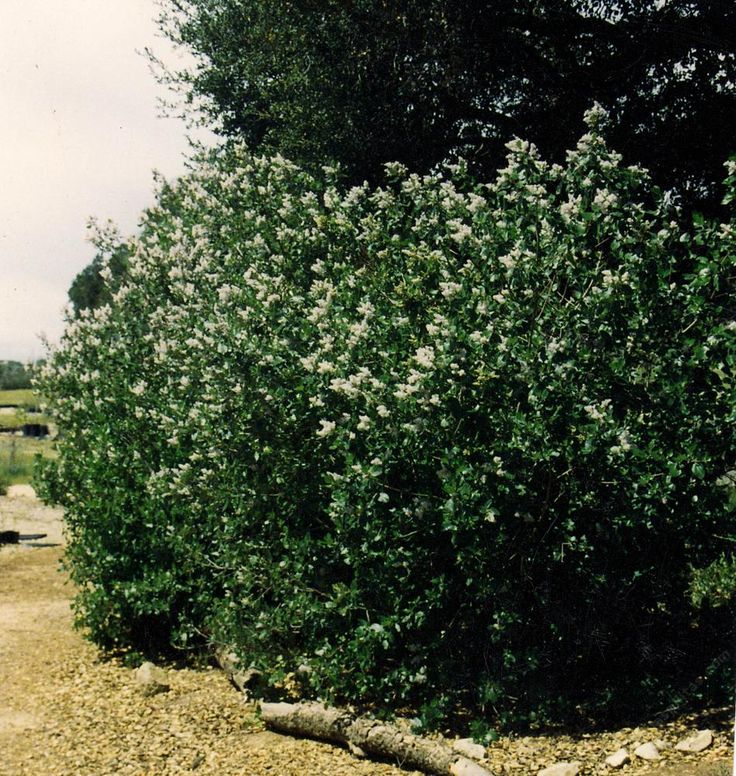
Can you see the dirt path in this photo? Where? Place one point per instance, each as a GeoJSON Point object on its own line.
{"type": "Point", "coordinates": [64, 712]}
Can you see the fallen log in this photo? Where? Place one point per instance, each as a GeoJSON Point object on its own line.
{"type": "Point", "coordinates": [366, 736]}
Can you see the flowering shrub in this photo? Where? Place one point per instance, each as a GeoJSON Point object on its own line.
{"type": "Point", "coordinates": [438, 441]}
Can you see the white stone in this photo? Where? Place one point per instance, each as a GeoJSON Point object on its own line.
{"type": "Point", "coordinates": [561, 769]}
{"type": "Point", "coordinates": [697, 743]}
{"type": "Point", "coordinates": [647, 751]}
{"type": "Point", "coordinates": [618, 759]}
{"type": "Point", "coordinates": [151, 679]}
{"type": "Point", "coordinates": [464, 767]}
{"type": "Point", "coordinates": [469, 748]}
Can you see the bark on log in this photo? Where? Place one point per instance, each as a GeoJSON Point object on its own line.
{"type": "Point", "coordinates": [247, 681]}
{"type": "Point", "coordinates": [313, 720]}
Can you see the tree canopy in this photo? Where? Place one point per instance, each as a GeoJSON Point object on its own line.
{"type": "Point", "coordinates": [370, 81]}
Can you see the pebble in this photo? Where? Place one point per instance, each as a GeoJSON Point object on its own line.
{"type": "Point", "coordinates": [647, 751]}
{"type": "Point", "coordinates": [468, 748]}
{"type": "Point", "coordinates": [151, 679]}
{"type": "Point", "coordinates": [618, 759]}
{"type": "Point", "coordinates": [696, 743]}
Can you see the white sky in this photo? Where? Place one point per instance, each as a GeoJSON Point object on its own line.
{"type": "Point", "coordinates": [80, 135]}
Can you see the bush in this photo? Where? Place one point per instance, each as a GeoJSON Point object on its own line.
{"type": "Point", "coordinates": [444, 442]}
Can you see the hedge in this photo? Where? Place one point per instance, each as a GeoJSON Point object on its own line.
{"type": "Point", "coordinates": [443, 444]}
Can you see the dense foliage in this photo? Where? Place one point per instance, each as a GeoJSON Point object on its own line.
{"type": "Point", "coordinates": [438, 441]}
{"type": "Point", "coordinates": [369, 81]}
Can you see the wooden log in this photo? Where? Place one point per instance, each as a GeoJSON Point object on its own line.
{"type": "Point", "coordinates": [369, 736]}
{"type": "Point", "coordinates": [247, 680]}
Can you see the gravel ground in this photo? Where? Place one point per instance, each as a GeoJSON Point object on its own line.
{"type": "Point", "coordinates": [65, 712]}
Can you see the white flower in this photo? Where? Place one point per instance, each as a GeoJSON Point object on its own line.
{"type": "Point", "coordinates": [624, 440]}
{"type": "Point", "coordinates": [449, 289]}
{"type": "Point", "coordinates": [519, 146]}
{"type": "Point", "coordinates": [364, 424]}
{"type": "Point", "coordinates": [477, 337]}
{"type": "Point", "coordinates": [605, 199]}
{"type": "Point", "coordinates": [597, 413]}
{"type": "Point", "coordinates": [395, 169]}
{"type": "Point", "coordinates": [508, 261]}
{"type": "Point", "coordinates": [569, 208]}
{"type": "Point", "coordinates": [366, 309]}
{"type": "Point", "coordinates": [595, 115]}
{"type": "Point", "coordinates": [308, 362]}
{"type": "Point", "coordinates": [460, 231]}
{"type": "Point", "coordinates": [382, 411]}
{"type": "Point", "coordinates": [347, 387]}
{"type": "Point", "coordinates": [323, 367]}
{"type": "Point", "coordinates": [383, 498]}
{"type": "Point", "coordinates": [405, 389]}
{"type": "Point", "coordinates": [225, 293]}
{"type": "Point", "coordinates": [139, 389]}
{"type": "Point", "coordinates": [328, 426]}
{"type": "Point", "coordinates": [425, 357]}
{"type": "Point", "coordinates": [475, 203]}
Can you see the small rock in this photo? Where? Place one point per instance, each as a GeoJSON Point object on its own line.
{"type": "Point", "coordinates": [661, 744]}
{"type": "Point", "coordinates": [151, 679]}
{"type": "Point", "coordinates": [647, 751]}
{"type": "Point", "coordinates": [697, 743]}
{"type": "Point", "coordinates": [561, 769]}
{"type": "Point", "coordinates": [618, 759]}
{"type": "Point", "coordinates": [464, 767]}
{"type": "Point", "coordinates": [469, 748]}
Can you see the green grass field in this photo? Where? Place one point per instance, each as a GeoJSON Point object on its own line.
{"type": "Point", "coordinates": [14, 405]}
{"type": "Point", "coordinates": [23, 397]}
{"type": "Point", "coordinates": [17, 456]}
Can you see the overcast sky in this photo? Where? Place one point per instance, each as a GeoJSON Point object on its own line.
{"type": "Point", "coordinates": [80, 136]}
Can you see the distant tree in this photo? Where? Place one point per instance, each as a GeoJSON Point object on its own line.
{"type": "Point", "coordinates": [14, 375]}
{"type": "Point", "coordinates": [363, 82]}
{"type": "Point", "coordinates": [88, 289]}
